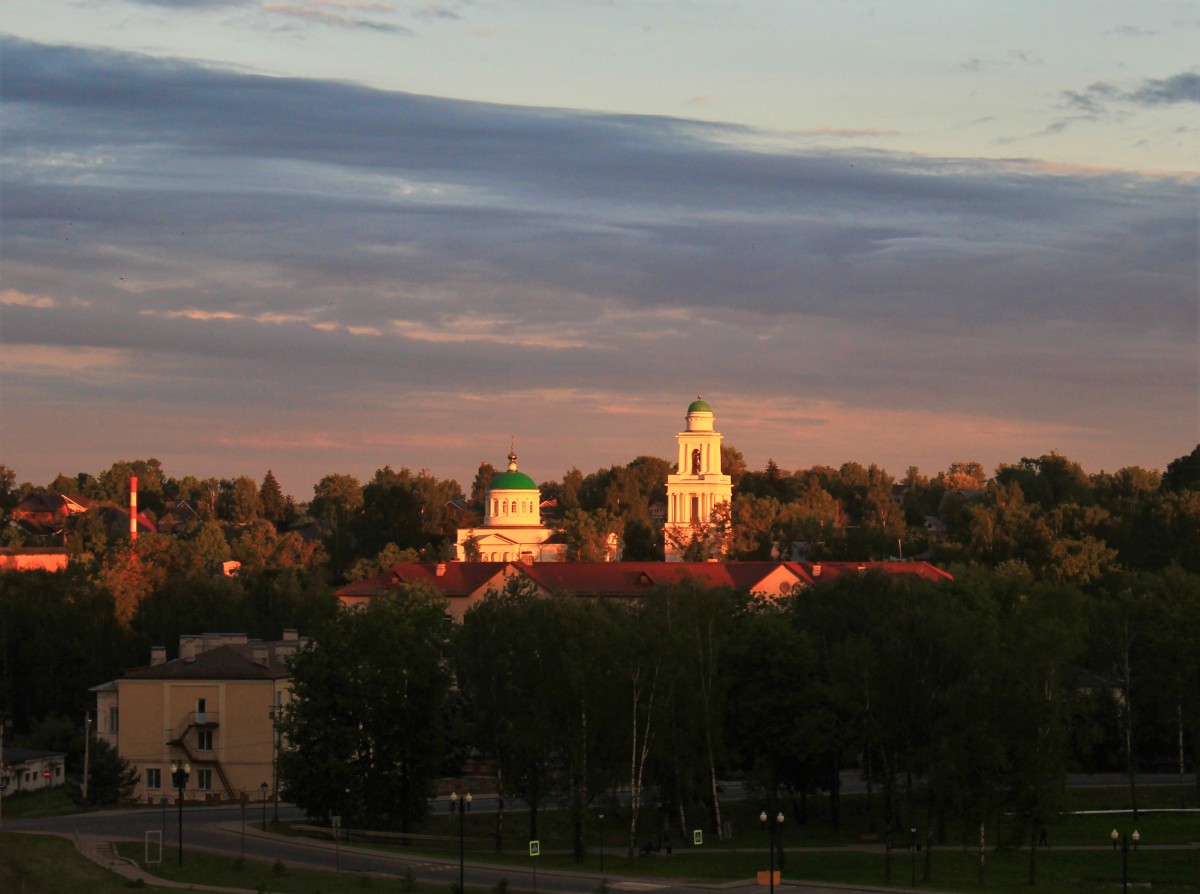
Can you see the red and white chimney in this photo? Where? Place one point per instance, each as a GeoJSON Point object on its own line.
{"type": "Point", "coordinates": [133, 508]}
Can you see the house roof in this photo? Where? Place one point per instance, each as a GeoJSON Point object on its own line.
{"type": "Point", "coordinates": [626, 579]}
{"type": "Point", "coordinates": [12, 756]}
{"type": "Point", "coordinates": [631, 579]}
{"type": "Point", "coordinates": [116, 520]}
{"type": "Point", "coordinates": [454, 578]}
{"type": "Point", "coordinates": [823, 572]}
{"type": "Point", "coordinates": [231, 662]}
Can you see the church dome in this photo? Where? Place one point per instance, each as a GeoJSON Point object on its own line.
{"type": "Point", "coordinates": [699, 406]}
{"type": "Point", "coordinates": [511, 481]}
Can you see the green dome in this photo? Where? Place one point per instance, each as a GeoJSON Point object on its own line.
{"type": "Point", "coordinates": [511, 481]}
{"type": "Point", "coordinates": [699, 406]}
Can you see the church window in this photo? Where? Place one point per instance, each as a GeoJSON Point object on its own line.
{"type": "Point", "coordinates": [695, 509]}
{"type": "Point", "coordinates": [495, 507]}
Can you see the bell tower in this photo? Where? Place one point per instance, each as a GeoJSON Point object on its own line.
{"type": "Point", "coordinates": [698, 486]}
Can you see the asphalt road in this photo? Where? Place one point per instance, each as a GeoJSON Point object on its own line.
{"type": "Point", "coordinates": [227, 831]}
{"type": "Point", "coordinates": [220, 830]}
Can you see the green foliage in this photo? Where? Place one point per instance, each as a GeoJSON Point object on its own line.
{"type": "Point", "coordinates": [111, 779]}
{"type": "Point", "coordinates": [366, 724]}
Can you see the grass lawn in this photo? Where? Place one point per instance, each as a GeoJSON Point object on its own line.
{"type": "Point", "coordinates": [1059, 872]}
{"type": "Point", "coordinates": [43, 864]}
{"type": "Point", "coordinates": [49, 802]}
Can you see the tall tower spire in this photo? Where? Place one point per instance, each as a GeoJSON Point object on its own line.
{"type": "Point", "coordinates": [698, 488]}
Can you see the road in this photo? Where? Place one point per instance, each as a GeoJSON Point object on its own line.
{"type": "Point", "coordinates": [227, 831]}
{"type": "Point", "coordinates": [220, 830]}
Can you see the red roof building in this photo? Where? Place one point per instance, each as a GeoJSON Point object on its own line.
{"type": "Point", "coordinates": [466, 583]}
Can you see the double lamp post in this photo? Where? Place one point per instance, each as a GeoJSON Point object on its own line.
{"type": "Point", "coordinates": [1122, 840]}
{"type": "Point", "coordinates": [179, 780]}
{"type": "Point", "coordinates": [462, 805]}
{"type": "Point", "coordinates": [774, 826]}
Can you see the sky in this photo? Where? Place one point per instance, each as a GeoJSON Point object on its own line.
{"type": "Point", "coordinates": [319, 236]}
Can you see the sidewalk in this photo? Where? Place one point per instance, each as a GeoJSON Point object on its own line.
{"type": "Point", "coordinates": [103, 853]}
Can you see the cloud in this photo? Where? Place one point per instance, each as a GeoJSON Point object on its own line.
{"type": "Point", "coordinates": [335, 14]}
{"type": "Point", "coordinates": [1178, 88]}
{"type": "Point", "coordinates": [290, 253]}
{"type": "Point", "coordinates": [1099, 98]}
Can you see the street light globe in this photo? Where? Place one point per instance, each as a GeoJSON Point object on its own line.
{"type": "Point", "coordinates": [762, 817]}
{"type": "Point", "coordinates": [174, 768]}
{"type": "Point", "coordinates": [779, 819]}
{"type": "Point", "coordinates": [454, 797]}
{"type": "Point", "coordinates": [1136, 837]}
{"type": "Point", "coordinates": [467, 797]}
{"type": "Point", "coordinates": [187, 769]}
{"type": "Point", "coordinates": [1114, 835]}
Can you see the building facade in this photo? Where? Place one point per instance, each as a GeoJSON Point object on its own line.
{"type": "Point", "coordinates": [213, 708]}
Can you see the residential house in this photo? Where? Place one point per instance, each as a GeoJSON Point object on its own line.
{"type": "Point", "coordinates": [30, 770]}
{"type": "Point", "coordinates": [214, 708]}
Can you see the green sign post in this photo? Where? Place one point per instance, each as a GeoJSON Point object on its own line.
{"type": "Point", "coordinates": [698, 837]}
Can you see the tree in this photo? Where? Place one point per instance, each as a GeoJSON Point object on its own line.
{"type": "Point", "coordinates": [368, 711]}
{"type": "Point", "coordinates": [587, 534]}
{"type": "Point", "coordinates": [1183, 473]}
{"type": "Point", "coordinates": [733, 463]}
{"type": "Point", "coordinates": [336, 502]}
{"type": "Point", "coordinates": [271, 499]}
{"type": "Point", "coordinates": [238, 501]}
{"type": "Point", "coordinates": [479, 487]}
{"type": "Point", "coordinates": [111, 778]}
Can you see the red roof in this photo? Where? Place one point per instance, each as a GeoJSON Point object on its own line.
{"type": "Point", "coordinates": [622, 579]}
{"type": "Point", "coordinates": [455, 579]}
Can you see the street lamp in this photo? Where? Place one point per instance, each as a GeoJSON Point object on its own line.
{"type": "Point", "coordinates": [179, 779]}
{"type": "Point", "coordinates": [462, 806]}
{"type": "Point", "coordinates": [772, 825]}
{"type": "Point", "coordinates": [264, 788]}
{"type": "Point", "coordinates": [276, 715]}
{"type": "Point", "coordinates": [1123, 839]}
{"type": "Point", "coordinates": [912, 851]}
{"type": "Point", "coordinates": [601, 843]}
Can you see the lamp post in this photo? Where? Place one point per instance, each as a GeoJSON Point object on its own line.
{"type": "Point", "coordinates": [462, 805]}
{"type": "Point", "coordinates": [601, 843]}
{"type": "Point", "coordinates": [87, 750]}
{"type": "Point", "coordinates": [1123, 839]}
{"type": "Point", "coordinates": [275, 714]}
{"type": "Point", "coordinates": [179, 779]}
{"type": "Point", "coordinates": [772, 825]}
{"type": "Point", "coordinates": [912, 852]}
{"type": "Point", "coordinates": [264, 788]}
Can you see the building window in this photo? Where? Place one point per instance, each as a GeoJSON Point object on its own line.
{"type": "Point", "coordinates": [204, 780]}
{"type": "Point", "coordinates": [112, 720]}
{"type": "Point", "coordinates": [204, 739]}
{"type": "Point", "coordinates": [695, 510]}
{"type": "Point", "coordinates": [153, 777]}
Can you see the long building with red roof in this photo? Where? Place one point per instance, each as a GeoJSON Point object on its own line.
{"type": "Point", "coordinates": [466, 583]}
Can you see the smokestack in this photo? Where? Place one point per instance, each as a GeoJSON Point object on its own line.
{"type": "Point", "coordinates": [133, 509]}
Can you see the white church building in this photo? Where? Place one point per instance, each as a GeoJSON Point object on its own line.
{"type": "Point", "coordinates": [512, 527]}
{"type": "Point", "coordinates": [698, 487]}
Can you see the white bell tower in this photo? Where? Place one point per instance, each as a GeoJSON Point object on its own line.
{"type": "Point", "coordinates": [697, 487]}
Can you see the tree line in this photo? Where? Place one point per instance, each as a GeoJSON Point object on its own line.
{"type": "Point", "coordinates": [963, 705]}
{"type": "Point", "coordinates": [1045, 512]}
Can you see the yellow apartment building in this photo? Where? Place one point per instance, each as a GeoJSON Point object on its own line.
{"type": "Point", "coordinates": [212, 709]}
